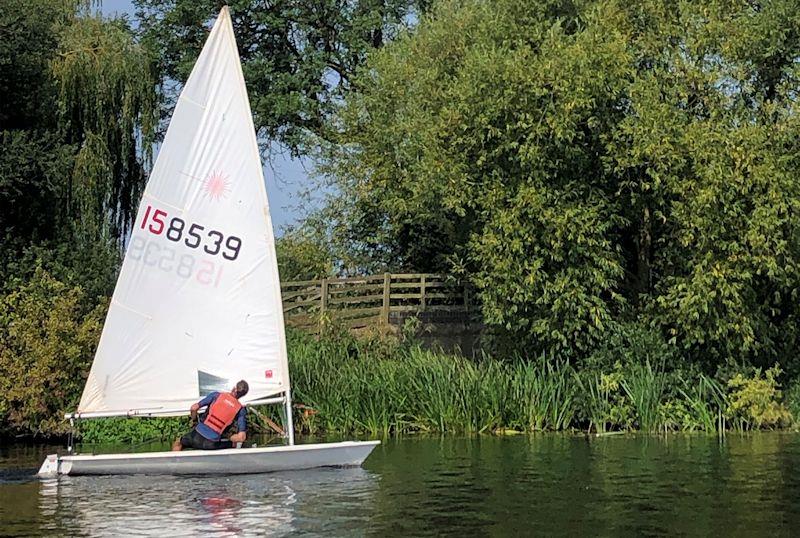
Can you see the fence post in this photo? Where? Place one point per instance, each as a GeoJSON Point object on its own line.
{"type": "Point", "coordinates": [422, 292]}
{"type": "Point", "coordinates": [387, 293]}
{"type": "Point", "coordinates": [323, 297]}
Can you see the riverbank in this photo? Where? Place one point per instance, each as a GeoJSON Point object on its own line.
{"type": "Point", "coordinates": [379, 386]}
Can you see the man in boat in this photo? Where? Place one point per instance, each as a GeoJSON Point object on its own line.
{"type": "Point", "coordinates": [224, 410]}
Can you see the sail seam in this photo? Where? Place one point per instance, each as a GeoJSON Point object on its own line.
{"type": "Point", "coordinates": [128, 308]}
{"type": "Point", "coordinates": [184, 98]}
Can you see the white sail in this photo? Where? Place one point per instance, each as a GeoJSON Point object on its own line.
{"type": "Point", "coordinates": [197, 305]}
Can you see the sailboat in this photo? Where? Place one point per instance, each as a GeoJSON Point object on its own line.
{"type": "Point", "coordinates": [197, 305]}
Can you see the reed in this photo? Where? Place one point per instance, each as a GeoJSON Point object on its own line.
{"type": "Point", "coordinates": [357, 387]}
{"type": "Point", "coordinates": [707, 401]}
{"type": "Point", "coordinates": [541, 395]}
{"type": "Point", "coordinates": [644, 387]}
{"type": "Point", "coordinates": [600, 399]}
{"type": "Point", "coordinates": [378, 387]}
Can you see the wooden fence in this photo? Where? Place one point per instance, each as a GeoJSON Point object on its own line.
{"type": "Point", "coordinates": [371, 301]}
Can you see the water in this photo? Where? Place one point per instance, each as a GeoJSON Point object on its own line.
{"type": "Point", "coordinates": [486, 486]}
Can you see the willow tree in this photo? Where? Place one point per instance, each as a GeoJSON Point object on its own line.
{"type": "Point", "coordinates": [107, 109]}
{"type": "Point", "coordinates": [588, 165]}
{"type": "Point", "coordinates": [80, 108]}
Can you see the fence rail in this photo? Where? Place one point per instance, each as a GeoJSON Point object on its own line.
{"type": "Point", "coordinates": [369, 301]}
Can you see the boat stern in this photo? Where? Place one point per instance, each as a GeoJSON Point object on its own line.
{"type": "Point", "coordinates": [50, 466]}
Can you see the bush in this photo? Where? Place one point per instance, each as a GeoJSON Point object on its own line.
{"type": "Point", "coordinates": [46, 344]}
{"type": "Point", "coordinates": [132, 430]}
{"type": "Point", "coordinates": [704, 404]}
{"type": "Point", "coordinates": [792, 399]}
{"type": "Point", "coordinates": [755, 402]}
{"type": "Point", "coordinates": [604, 405]}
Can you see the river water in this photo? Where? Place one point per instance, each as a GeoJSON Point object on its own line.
{"type": "Point", "coordinates": [482, 486]}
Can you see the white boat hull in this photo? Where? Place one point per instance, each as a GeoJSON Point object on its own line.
{"type": "Point", "coordinates": [205, 462]}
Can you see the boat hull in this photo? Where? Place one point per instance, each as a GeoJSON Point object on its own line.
{"type": "Point", "coordinates": [213, 462]}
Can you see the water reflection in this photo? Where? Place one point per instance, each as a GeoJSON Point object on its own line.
{"type": "Point", "coordinates": [246, 505]}
{"type": "Point", "coordinates": [520, 486]}
{"type": "Point", "coordinates": [574, 485]}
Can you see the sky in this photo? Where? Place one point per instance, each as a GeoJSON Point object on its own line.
{"type": "Point", "coordinates": [286, 178]}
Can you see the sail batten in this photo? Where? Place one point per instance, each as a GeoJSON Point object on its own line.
{"type": "Point", "coordinates": [197, 302]}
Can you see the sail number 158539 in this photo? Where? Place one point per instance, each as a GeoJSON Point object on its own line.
{"type": "Point", "coordinates": [213, 242]}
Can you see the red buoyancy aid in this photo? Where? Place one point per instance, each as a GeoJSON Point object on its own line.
{"type": "Point", "coordinates": [222, 412]}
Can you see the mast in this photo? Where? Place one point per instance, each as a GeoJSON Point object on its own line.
{"type": "Point", "coordinates": [288, 413]}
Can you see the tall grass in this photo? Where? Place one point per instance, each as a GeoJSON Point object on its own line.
{"type": "Point", "coordinates": [378, 387]}
{"type": "Point", "coordinates": [373, 387]}
{"type": "Point", "coordinates": [600, 402]}
{"type": "Point", "coordinates": [644, 387]}
{"type": "Point", "coordinates": [707, 400]}
{"type": "Point", "coordinates": [541, 395]}
{"type": "Point", "coordinates": [363, 388]}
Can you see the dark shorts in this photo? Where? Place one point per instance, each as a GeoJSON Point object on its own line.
{"type": "Point", "coordinates": [193, 439]}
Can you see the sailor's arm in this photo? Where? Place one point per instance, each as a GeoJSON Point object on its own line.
{"type": "Point", "coordinates": [205, 402]}
{"type": "Point", "coordinates": [193, 411]}
{"type": "Point", "coordinates": [241, 426]}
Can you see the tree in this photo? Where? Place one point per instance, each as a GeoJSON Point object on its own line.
{"type": "Point", "coordinates": [299, 57]}
{"type": "Point", "coordinates": [587, 164]}
{"type": "Point", "coordinates": [77, 118]}
{"type": "Point", "coordinates": [108, 109]}
{"type": "Point", "coordinates": [303, 256]}
{"type": "Point", "coordinates": [33, 158]}
{"type": "Point", "coordinates": [77, 121]}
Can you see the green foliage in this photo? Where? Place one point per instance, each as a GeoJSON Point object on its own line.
{"type": "Point", "coordinates": [29, 32]}
{"type": "Point", "coordinates": [378, 386]}
{"type": "Point", "coordinates": [587, 163]}
{"type": "Point", "coordinates": [77, 122]}
{"type": "Point", "coordinates": [644, 387]}
{"type": "Point", "coordinates": [33, 155]}
{"type": "Point", "coordinates": [299, 58]}
{"type": "Point", "coordinates": [132, 430]}
{"type": "Point", "coordinates": [108, 109]}
{"type": "Point", "coordinates": [47, 338]}
{"type": "Point", "coordinates": [792, 400]}
{"type": "Point", "coordinates": [32, 168]}
{"type": "Point", "coordinates": [541, 395]}
{"type": "Point", "coordinates": [92, 266]}
{"type": "Point", "coordinates": [302, 256]}
{"type": "Point", "coordinates": [604, 404]}
{"type": "Point", "coordinates": [704, 405]}
{"type": "Point", "coordinates": [755, 402]}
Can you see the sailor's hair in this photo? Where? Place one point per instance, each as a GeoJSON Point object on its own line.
{"type": "Point", "coordinates": [242, 388]}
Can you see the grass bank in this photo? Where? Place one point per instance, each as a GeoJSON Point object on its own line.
{"type": "Point", "coordinates": [381, 386]}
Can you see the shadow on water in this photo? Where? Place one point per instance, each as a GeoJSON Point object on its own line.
{"type": "Point", "coordinates": [513, 486]}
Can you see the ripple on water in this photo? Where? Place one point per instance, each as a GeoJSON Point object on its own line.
{"type": "Point", "coordinates": [550, 485]}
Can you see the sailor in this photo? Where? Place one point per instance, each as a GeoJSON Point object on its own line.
{"type": "Point", "coordinates": [224, 409]}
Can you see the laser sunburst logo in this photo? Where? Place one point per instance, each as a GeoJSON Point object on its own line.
{"type": "Point", "coordinates": [217, 186]}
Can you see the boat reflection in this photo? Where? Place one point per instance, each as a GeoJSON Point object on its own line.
{"type": "Point", "coordinates": [223, 513]}
{"type": "Point", "coordinates": [269, 504]}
